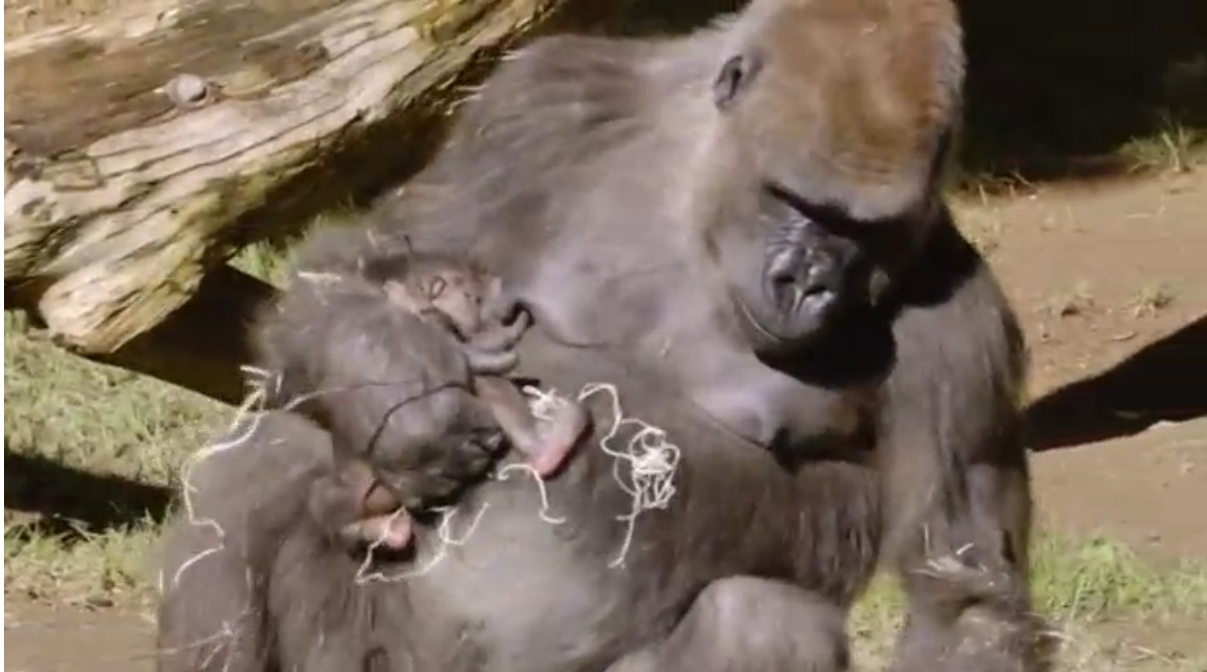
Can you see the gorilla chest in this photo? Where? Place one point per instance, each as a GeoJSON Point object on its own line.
{"type": "Point", "coordinates": [782, 413]}
{"type": "Point", "coordinates": [603, 294]}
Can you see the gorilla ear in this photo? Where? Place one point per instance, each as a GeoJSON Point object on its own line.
{"type": "Point", "coordinates": [738, 73]}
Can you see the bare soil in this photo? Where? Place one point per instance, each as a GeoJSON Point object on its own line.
{"type": "Point", "coordinates": [1111, 282]}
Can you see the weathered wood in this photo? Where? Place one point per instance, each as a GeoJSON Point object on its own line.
{"type": "Point", "coordinates": [202, 345]}
{"type": "Point", "coordinates": [139, 151]}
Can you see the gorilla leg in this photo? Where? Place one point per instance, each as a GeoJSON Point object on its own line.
{"type": "Point", "coordinates": [747, 623]}
{"type": "Point", "coordinates": [253, 584]}
{"type": "Point", "coordinates": [244, 500]}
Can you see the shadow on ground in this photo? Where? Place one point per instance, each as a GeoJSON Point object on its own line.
{"type": "Point", "coordinates": [65, 501]}
{"type": "Point", "coordinates": [1053, 83]}
{"type": "Point", "coordinates": [1166, 381]}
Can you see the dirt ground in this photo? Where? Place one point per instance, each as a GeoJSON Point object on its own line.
{"type": "Point", "coordinates": [1111, 282]}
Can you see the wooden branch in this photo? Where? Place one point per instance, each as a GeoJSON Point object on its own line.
{"type": "Point", "coordinates": [138, 151]}
{"type": "Point", "coordinates": [201, 346]}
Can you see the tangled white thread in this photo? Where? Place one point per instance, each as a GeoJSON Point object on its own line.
{"type": "Point", "coordinates": [445, 535]}
{"type": "Point", "coordinates": [543, 405]}
{"type": "Point", "coordinates": [446, 540]}
{"type": "Point", "coordinates": [228, 634]}
{"type": "Point", "coordinates": [651, 458]}
{"type": "Point", "coordinates": [652, 464]}
{"type": "Point", "coordinates": [253, 404]}
{"type": "Point", "coordinates": [502, 475]}
{"type": "Point", "coordinates": [225, 639]}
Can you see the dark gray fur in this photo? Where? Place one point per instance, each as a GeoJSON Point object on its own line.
{"type": "Point", "coordinates": [394, 391]}
{"type": "Point", "coordinates": [600, 180]}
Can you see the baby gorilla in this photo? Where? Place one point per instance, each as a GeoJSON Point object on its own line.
{"type": "Point", "coordinates": [423, 317]}
{"type": "Point", "coordinates": [460, 300]}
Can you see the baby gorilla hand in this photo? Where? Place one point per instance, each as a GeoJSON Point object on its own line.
{"type": "Point", "coordinates": [360, 505]}
{"type": "Point", "coordinates": [491, 351]}
{"type": "Point", "coordinates": [356, 512]}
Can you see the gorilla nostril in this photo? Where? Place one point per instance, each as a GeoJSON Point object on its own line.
{"type": "Point", "coordinates": [814, 288]}
{"type": "Point", "coordinates": [823, 278]}
{"type": "Point", "coordinates": [783, 288]}
{"type": "Point", "coordinates": [782, 281]}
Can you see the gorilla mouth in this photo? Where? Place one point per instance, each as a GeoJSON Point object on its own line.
{"type": "Point", "coordinates": [754, 322]}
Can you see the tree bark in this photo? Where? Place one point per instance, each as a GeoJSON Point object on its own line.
{"type": "Point", "coordinates": [141, 151]}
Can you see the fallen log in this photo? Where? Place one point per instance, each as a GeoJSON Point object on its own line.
{"type": "Point", "coordinates": [142, 150]}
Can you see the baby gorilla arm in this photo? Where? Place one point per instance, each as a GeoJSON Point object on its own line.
{"type": "Point", "coordinates": [471, 309]}
{"type": "Point", "coordinates": [491, 352]}
{"type": "Point", "coordinates": [546, 443]}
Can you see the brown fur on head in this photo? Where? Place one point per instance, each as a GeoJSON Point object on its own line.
{"type": "Point", "coordinates": [854, 102]}
{"type": "Point", "coordinates": [816, 173]}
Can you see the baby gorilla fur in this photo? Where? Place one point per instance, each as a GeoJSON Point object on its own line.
{"type": "Point", "coordinates": [447, 317]}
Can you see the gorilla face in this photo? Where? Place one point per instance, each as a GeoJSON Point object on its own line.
{"type": "Point", "coordinates": [795, 280]}
{"type": "Point", "coordinates": [797, 263]}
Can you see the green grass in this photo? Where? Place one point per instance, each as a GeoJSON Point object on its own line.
{"type": "Point", "coordinates": [1080, 586]}
{"type": "Point", "coordinates": [1171, 146]}
{"type": "Point", "coordinates": [115, 566]}
{"type": "Point", "coordinates": [82, 443]}
{"type": "Point", "coordinates": [67, 420]}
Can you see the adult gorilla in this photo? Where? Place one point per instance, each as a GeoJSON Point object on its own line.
{"type": "Point", "coordinates": [748, 217]}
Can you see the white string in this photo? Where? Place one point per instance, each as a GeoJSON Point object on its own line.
{"type": "Point", "coordinates": [540, 484]}
{"type": "Point", "coordinates": [253, 405]}
{"type": "Point", "coordinates": [446, 540]}
{"type": "Point", "coordinates": [651, 458]}
{"type": "Point", "coordinates": [652, 462]}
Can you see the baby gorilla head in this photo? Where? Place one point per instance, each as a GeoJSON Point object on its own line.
{"type": "Point", "coordinates": [464, 301]}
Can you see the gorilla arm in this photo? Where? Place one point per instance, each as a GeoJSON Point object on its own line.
{"type": "Point", "coordinates": [242, 499]}
{"type": "Point", "coordinates": [954, 467]}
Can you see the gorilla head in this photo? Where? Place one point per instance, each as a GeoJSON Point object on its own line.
{"type": "Point", "coordinates": [827, 145]}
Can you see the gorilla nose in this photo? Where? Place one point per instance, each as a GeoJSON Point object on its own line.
{"type": "Point", "coordinates": [795, 280]}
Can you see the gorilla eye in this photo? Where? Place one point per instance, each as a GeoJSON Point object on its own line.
{"type": "Point", "coordinates": [735, 76]}
{"type": "Point", "coordinates": [436, 288]}
{"type": "Point", "coordinates": [830, 217]}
